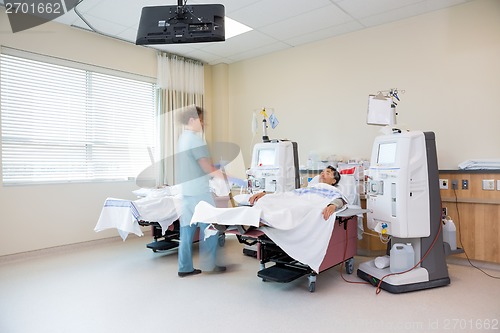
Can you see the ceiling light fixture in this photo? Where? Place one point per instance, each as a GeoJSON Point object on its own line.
{"type": "Point", "coordinates": [234, 28]}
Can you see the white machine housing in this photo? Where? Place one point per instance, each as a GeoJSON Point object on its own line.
{"type": "Point", "coordinates": [403, 200]}
{"type": "Point", "coordinates": [398, 187]}
{"type": "Point", "coordinates": [274, 167]}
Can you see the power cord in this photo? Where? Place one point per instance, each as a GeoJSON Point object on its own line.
{"type": "Point", "coordinates": [461, 243]}
{"type": "Point", "coordinates": [344, 257]}
{"type": "Point", "coordinates": [377, 291]}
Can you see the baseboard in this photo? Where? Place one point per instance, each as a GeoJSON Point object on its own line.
{"type": "Point", "coordinates": [481, 264]}
{"type": "Point", "coordinates": [56, 249]}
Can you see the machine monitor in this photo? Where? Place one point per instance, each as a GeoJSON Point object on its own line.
{"type": "Point", "coordinates": [266, 157]}
{"type": "Point", "coordinates": [181, 24]}
{"type": "Point", "coordinates": [275, 167]}
{"type": "Point", "coordinates": [387, 153]}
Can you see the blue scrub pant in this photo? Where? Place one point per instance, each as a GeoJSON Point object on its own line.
{"type": "Point", "coordinates": [208, 247]}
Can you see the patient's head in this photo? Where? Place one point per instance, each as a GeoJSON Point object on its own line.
{"type": "Point", "coordinates": [329, 176]}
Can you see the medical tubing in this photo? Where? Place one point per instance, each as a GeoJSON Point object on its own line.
{"type": "Point", "coordinates": [377, 291]}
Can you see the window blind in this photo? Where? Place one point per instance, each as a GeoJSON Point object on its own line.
{"type": "Point", "coordinates": [63, 124]}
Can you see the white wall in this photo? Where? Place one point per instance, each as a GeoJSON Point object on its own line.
{"type": "Point", "coordinates": [447, 61]}
{"type": "Point", "coordinates": [35, 217]}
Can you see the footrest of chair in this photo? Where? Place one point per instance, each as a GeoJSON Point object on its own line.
{"type": "Point", "coordinates": [162, 245]}
{"type": "Point", "coordinates": [278, 273]}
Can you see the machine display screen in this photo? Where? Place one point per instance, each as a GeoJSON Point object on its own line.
{"type": "Point", "coordinates": [266, 157]}
{"type": "Point", "coordinates": [387, 153]}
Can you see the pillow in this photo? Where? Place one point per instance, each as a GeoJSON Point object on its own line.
{"type": "Point", "coordinates": [313, 181]}
{"type": "Point", "coordinates": [347, 185]}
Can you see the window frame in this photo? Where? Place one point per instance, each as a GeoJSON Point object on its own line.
{"type": "Point", "coordinates": [89, 177]}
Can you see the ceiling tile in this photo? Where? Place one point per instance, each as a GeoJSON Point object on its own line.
{"type": "Point", "coordinates": [260, 51]}
{"type": "Point", "coordinates": [68, 18]}
{"type": "Point", "coordinates": [244, 42]}
{"type": "Point", "coordinates": [325, 33]}
{"type": "Point", "coordinates": [268, 12]}
{"type": "Point", "coordinates": [407, 11]}
{"type": "Point", "coordinates": [277, 24]}
{"type": "Point", "coordinates": [362, 8]}
{"type": "Point", "coordinates": [307, 23]}
{"type": "Point", "coordinates": [230, 5]}
{"type": "Point", "coordinates": [100, 25]}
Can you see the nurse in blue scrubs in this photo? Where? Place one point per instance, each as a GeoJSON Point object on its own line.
{"type": "Point", "coordinates": [193, 170]}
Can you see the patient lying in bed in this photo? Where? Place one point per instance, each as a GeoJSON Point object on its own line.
{"type": "Point", "coordinates": [329, 176]}
{"type": "Point", "coordinates": [280, 210]}
{"type": "Point", "coordinates": [294, 220]}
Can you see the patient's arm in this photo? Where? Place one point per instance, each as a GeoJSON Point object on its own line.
{"type": "Point", "coordinates": [332, 207]}
{"type": "Point", "coordinates": [256, 197]}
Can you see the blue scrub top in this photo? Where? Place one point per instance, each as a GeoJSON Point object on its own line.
{"type": "Point", "coordinates": [193, 180]}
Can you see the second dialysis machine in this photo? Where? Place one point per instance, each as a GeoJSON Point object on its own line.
{"type": "Point", "coordinates": [274, 168]}
{"type": "Point", "coordinates": [404, 207]}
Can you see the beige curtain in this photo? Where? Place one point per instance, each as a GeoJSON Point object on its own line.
{"type": "Point", "coordinates": [180, 83]}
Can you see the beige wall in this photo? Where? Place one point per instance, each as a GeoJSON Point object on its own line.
{"type": "Point", "coordinates": [220, 107]}
{"type": "Point", "coordinates": [216, 103]}
{"type": "Point", "coordinates": [76, 44]}
{"type": "Point", "coordinates": [35, 217]}
{"type": "Point", "coordinates": [447, 61]}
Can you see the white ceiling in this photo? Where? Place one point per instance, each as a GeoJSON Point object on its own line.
{"type": "Point", "coordinates": [277, 24]}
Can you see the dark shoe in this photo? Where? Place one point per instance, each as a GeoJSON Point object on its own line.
{"type": "Point", "coordinates": [193, 272]}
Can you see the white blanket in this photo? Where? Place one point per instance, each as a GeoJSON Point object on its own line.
{"type": "Point", "coordinates": [164, 210]}
{"type": "Point", "coordinates": [121, 215]}
{"type": "Point", "coordinates": [124, 215]}
{"type": "Point", "coordinates": [480, 164]}
{"type": "Point", "coordinates": [294, 219]}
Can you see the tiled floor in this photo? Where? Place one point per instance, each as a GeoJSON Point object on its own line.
{"type": "Point", "coordinates": [115, 286]}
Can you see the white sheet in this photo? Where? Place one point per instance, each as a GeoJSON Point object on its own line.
{"type": "Point", "coordinates": [206, 213]}
{"type": "Point", "coordinates": [164, 210]}
{"type": "Point", "coordinates": [124, 215]}
{"type": "Point", "coordinates": [295, 220]}
{"type": "Point", "coordinates": [121, 215]}
{"type": "Point", "coordinates": [480, 164]}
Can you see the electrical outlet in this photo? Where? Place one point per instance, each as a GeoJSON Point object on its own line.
{"type": "Point", "coordinates": [445, 212]}
{"type": "Point", "coordinates": [443, 184]}
{"type": "Point", "coordinates": [454, 184]}
{"type": "Point", "coordinates": [489, 184]}
{"type": "Point", "coordinates": [498, 185]}
{"type": "Point", "coordinates": [465, 184]}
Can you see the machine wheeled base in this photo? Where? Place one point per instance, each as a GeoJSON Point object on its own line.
{"type": "Point", "coordinates": [411, 281]}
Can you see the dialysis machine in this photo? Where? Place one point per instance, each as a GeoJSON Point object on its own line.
{"type": "Point", "coordinates": [403, 202]}
{"type": "Point", "coordinates": [274, 167]}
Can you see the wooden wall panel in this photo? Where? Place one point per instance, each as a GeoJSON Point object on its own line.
{"type": "Point", "coordinates": [476, 214]}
